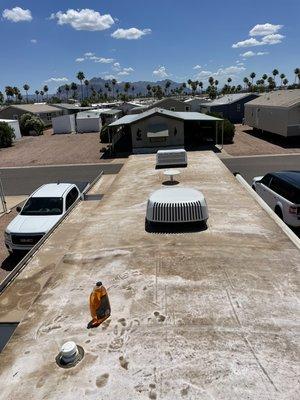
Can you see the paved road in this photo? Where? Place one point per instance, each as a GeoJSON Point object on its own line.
{"type": "Point", "coordinates": [23, 181]}
{"type": "Point", "coordinates": [249, 167]}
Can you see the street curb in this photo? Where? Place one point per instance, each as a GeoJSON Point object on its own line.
{"type": "Point", "coordinates": [291, 235]}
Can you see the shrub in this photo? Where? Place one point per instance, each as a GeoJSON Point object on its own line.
{"type": "Point", "coordinates": [229, 129]}
{"type": "Point", "coordinates": [85, 103]}
{"type": "Point", "coordinates": [30, 123]}
{"type": "Point", "coordinates": [7, 135]}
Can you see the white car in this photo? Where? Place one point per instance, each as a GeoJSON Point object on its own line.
{"type": "Point", "coordinates": [281, 191]}
{"type": "Point", "coordinates": [42, 210]}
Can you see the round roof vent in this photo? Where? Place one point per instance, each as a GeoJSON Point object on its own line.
{"type": "Point", "coordinates": [177, 205]}
{"type": "Point", "coordinates": [70, 354]}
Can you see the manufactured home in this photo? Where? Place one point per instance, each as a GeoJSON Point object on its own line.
{"type": "Point", "coordinates": [276, 112]}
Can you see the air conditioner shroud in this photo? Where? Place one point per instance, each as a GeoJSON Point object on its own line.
{"type": "Point", "coordinates": [176, 205]}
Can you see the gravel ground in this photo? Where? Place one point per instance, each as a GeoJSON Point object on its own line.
{"type": "Point", "coordinates": [50, 149]}
{"type": "Point", "coordinates": [248, 143]}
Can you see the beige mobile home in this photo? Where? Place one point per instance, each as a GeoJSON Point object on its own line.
{"type": "Point", "coordinates": [277, 112]}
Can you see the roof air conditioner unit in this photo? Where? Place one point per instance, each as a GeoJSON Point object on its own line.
{"type": "Point", "coordinates": [171, 158]}
{"type": "Point", "coordinates": [176, 205]}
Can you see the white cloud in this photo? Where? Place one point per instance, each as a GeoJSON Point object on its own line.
{"type": "Point", "coordinates": [246, 43]}
{"type": "Point", "coordinates": [203, 74]}
{"type": "Point", "coordinates": [161, 72]}
{"type": "Point", "coordinates": [84, 20]}
{"type": "Point", "coordinates": [79, 59]}
{"type": "Point", "coordinates": [272, 39]}
{"type": "Point", "coordinates": [116, 66]}
{"type": "Point", "coordinates": [34, 41]}
{"type": "Point", "coordinates": [89, 54]}
{"type": "Point", "coordinates": [57, 80]}
{"type": "Point", "coordinates": [264, 29]}
{"type": "Point", "coordinates": [232, 70]}
{"type": "Point", "coordinates": [248, 54]}
{"type": "Point", "coordinates": [266, 40]}
{"type": "Point", "coordinates": [17, 14]}
{"type": "Point", "coordinates": [125, 71]}
{"type": "Point", "coordinates": [130, 34]}
{"type": "Point", "coordinates": [103, 60]}
{"type": "Point", "coordinates": [197, 66]}
{"type": "Point", "coordinates": [262, 53]}
{"type": "Point", "coordinates": [109, 77]}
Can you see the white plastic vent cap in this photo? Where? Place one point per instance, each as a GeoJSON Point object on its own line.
{"type": "Point", "coordinates": [69, 352]}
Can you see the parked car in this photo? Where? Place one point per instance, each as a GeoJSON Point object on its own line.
{"type": "Point", "coordinates": [281, 191]}
{"type": "Point", "coordinates": [42, 210]}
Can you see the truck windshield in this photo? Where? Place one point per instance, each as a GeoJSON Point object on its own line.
{"type": "Point", "coordinates": [43, 206]}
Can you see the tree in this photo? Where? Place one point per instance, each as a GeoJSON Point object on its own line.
{"type": "Point", "coordinates": [74, 87]}
{"type": "Point", "coordinates": [126, 87]}
{"type": "Point", "coordinates": [9, 91]}
{"type": "Point", "coordinates": [229, 80]}
{"type": "Point", "coordinates": [113, 82]}
{"type": "Point", "coordinates": [31, 123]}
{"type": "Point", "coordinates": [16, 92]}
{"type": "Point", "coordinates": [201, 86]}
{"type": "Point", "coordinates": [86, 84]}
{"type": "Point", "coordinates": [211, 80]}
{"type": "Point", "coordinates": [189, 82]}
{"type": "Point", "coordinates": [59, 93]}
{"type": "Point", "coordinates": [194, 85]}
{"type": "Point", "coordinates": [285, 82]}
{"type": "Point", "coordinates": [80, 76]}
{"type": "Point", "coordinates": [246, 81]}
{"type": "Point", "coordinates": [26, 87]}
{"type": "Point", "coordinates": [271, 82]}
{"type": "Point", "coordinates": [239, 88]}
{"type": "Point", "coordinates": [282, 76]}
{"type": "Point", "coordinates": [148, 87]}
{"type": "Point", "coordinates": [216, 84]}
{"type": "Point", "coordinates": [1, 98]}
{"type": "Point", "coordinates": [167, 85]}
{"type": "Point", "coordinates": [45, 90]}
{"type": "Point", "coordinates": [67, 89]}
{"type": "Point", "coordinates": [275, 72]}
{"type": "Point", "coordinates": [42, 94]}
{"type": "Point", "coordinates": [297, 72]}
{"type": "Point", "coordinates": [252, 76]}
{"type": "Point", "coordinates": [132, 89]}
{"type": "Point", "coordinates": [37, 95]}
{"type": "Point", "coordinates": [7, 135]}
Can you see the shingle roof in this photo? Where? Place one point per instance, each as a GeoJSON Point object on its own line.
{"type": "Point", "coordinates": [185, 116]}
{"type": "Point", "coordinates": [36, 108]}
{"type": "Point", "coordinates": [278, 98]}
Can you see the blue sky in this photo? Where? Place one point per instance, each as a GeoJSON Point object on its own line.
{"type": "Point", "coordinates": [146, 40]}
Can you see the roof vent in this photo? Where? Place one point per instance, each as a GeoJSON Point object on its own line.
{"type": "Point", "coordinates": [70, 354]}
{"type": "Point", "coordinates": [171, 158]}
{"type": "Point", "coordinates": [176, 205]}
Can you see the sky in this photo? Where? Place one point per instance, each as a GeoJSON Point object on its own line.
{"type": "Point", "coordinates": [49, 41]}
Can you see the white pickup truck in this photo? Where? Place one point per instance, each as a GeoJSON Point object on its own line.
{"type": "Point", "coordinates": [42, 210]}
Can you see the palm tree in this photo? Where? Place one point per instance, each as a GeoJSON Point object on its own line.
{"type": "Point", "coordinates": [296, 72]}
{"type": "Point", "coordinates": [148, 87]}
{"type": "Point", "coordinates": [126, 87]}
{"type": "Point", "coordinates": [42, 94]}
{"type": "Point", "coordinates": [275, 72]}
{"type": "Point", "coordinates": [9, 91]}
{"type": "Point", "coordinates": [272, 83]}
{"type": "Point", "coordinates": [216, 84]}
{"type": "Point", "coordinates": [113, 82]}
{"type": "Point", "coordinates": [252, 76]}
{"type": "Point", "coordinates": [80, 76]}
{"type": "Point", "coordinates": [16, 92]}
{"type": "Point", "coordinates": [86, 84]}
{"type": "Point", "coordinates": [282, 76]}
{"type": "Point", "coordinates": [67, 89]}
{"type": "Point", "coordinates": [37, 95]}
{"type": "Point", "coordinates": [167, 85]}
{"type": "Point", "coordinates": [26, 88]}
{"type": "Point", "coordinates": [1, 98]}
{"type": "Point", "coordinates": [74, 87]}
{"type": "Point", "coordinates": [194, 85]}
{"type": "Point", "coordinates": [46, 89]}
{"type": "Point", "coordinates": [246, 81]}
{"type": "Point", "coordinates": [211, 80]}
{"type": "Point", "coordinates": [189, 82]}
{"type": "Point", "coordinates": [59, 92]}
{"type": "Point", "coordinates": [201, 86]}
{"type": "Point", "coordinates": [285, 82]}
{"type": "Point", "coordinates": [229, 80]}
{"type": "Point", "coordinates": [106, 85]}
{"type": "Point", "coordinates": [239, 88]}
{"type": "Point", "coordinates": [132, 89]}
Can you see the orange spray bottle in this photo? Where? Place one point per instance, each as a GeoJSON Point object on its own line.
{"type": "Point", "coordinates": [99, 305]}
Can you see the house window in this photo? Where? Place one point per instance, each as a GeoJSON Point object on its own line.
{"type": "Point", "coordinates": [138, 134]}
{"type": "Point", "coordinates": [158, 139]}
{"type": "Point", "coordinates": [238, 107]}
{"type": "Point", "coordinates": [172, 109]}
{"type": "Point", "coordinates": [187, 108]}
{"type": "Point", "coordinates": [15, 117]}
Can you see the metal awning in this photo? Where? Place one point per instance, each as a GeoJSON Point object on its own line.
{"type": "Point", "coordinates": [157, 130]}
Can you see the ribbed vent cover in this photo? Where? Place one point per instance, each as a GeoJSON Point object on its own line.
{"type": "Point", "coordinates": [175, 205]}
{"type": "Point", "coordinates": [171, 157]}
